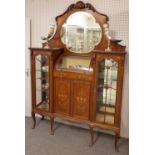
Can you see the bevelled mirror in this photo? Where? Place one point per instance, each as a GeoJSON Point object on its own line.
{"type": "Point", "coordinates": [81, 33]}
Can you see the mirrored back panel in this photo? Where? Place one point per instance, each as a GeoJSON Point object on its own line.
{"type": "Point", "coordinates": [81, 33]}
{"type": "Point", "coordinates": [75, 63]}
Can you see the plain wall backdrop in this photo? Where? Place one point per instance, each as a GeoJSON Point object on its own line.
{"type": "Point", "coordinates": [42, 13]}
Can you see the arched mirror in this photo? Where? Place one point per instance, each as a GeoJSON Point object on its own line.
{"type": "Point", "coordinates": [81, 33]}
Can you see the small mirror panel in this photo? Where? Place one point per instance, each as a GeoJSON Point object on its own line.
{"type": "Point", "coordinates": [76, 63]}
{"type": "Point", "coordinates": [81, 33]}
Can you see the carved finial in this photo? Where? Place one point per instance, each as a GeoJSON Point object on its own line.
{"type": "Point", "coordinates": [106, 32]}
{"type": "Point", "coordinates": [50, 33]}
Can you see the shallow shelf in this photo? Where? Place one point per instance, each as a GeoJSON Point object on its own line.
{"type": "Point", "coordinates": [43, 106]}
{"type": "Point", "coordinates": [40, 70]}
{"type": "Point", "coordinates": [107, 109]}
{"type": "Point", "coordinates": [106, 119]}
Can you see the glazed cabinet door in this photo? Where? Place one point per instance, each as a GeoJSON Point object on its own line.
{"type": "Point", "coordinates": [108, 93]}
{"type": "Point", "coordinates": [62, 96]}
{"type": "Point", "coordinates": [41, 81]}
{"type": "Point", "coordinates": [81, 99]}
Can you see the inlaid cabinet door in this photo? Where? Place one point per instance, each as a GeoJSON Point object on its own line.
{"type": "Point", "coordinates": [80, 99]}
{"type": "Point", "coordinates": [62, 96]}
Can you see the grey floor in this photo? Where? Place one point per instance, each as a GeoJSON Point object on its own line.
{"type": "Point", "coordinates": [68, 140]}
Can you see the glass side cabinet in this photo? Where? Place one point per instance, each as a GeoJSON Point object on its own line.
{"type": "Point", "coordinates": [41, 66]}
{"type": "Point", "coordinates": [42, 82]}
{"type": "Point", "coordinates": [108, 94]}
{"type": "Point", "coordinates": [42, 62]}
{"type": "Point", "coordinates": [106, 91]}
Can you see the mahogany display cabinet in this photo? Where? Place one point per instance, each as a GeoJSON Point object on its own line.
{"type": "Point", "coordinates": [77, 75]}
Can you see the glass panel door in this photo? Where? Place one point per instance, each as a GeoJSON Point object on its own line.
{"type": "Point", "coordinates": [42, 82]}
{"type": "Point", "coordinates": [106, 91]}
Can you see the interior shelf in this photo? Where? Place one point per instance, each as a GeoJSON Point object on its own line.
{"type": "Point", "coordinates": [43, 106]}
{"type": "Point", "coordinates": [107, 110]}
{"type": "Point", "coordinates": [40, 70]}
{"type": "Point", "coordinates": [42, 90]}
{"type": "Point", "coordinates": [42, 78]}
{"type": "Point", "coordinates": [107, 119]}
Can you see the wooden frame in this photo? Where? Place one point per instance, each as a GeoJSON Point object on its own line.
{"type": "Point", "coordinates": [73, 81]}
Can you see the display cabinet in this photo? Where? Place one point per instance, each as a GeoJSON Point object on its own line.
{"type": "Point", "coordinates": [42, 61]}
{"type": "Point", "coordinates": [77, 75]}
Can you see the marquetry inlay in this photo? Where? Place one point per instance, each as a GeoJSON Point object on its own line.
{"type": "Point", "coordinates": [81, 103]}
{"type": "Point", "coordinates": [62, 99]}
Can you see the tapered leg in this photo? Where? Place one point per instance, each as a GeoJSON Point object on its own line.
{"type": "Point", "coordinates": [34, 120]}
{"type": "Point", "coordinates": [116, 141]}
{"type": "Point", "coordinates": [52, 123]}
{"type": "Point", "coordinates": [91, 135]}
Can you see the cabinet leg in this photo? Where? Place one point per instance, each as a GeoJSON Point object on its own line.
{"type": "Point", "coordinates": [52, 124]}
{"type": "Point", "coordinates": [116, 141]}
{"type": "Point", "coordinates": [91, 135]}
{"type": "Point", "coordinates": [34, 120]}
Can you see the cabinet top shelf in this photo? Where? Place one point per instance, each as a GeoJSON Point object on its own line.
{"type": "Point", "coordinates": [109, 52]}
{"type": "Point", "coordinates": [45, 49]}
{"type": "Point", "coordinates": [94, 51]}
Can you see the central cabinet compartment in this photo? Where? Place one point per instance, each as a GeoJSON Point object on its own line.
{"type": "Point", "coordinates": [73, 77]}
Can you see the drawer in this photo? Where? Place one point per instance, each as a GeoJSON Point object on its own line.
{"type": "Point", "coordinates": [75, 76]}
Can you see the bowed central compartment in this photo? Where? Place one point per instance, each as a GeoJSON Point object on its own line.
{"type": "Point", "coordinates": [73, 78]}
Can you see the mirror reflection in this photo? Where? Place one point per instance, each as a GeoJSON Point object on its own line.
{"type": "Point", "coordinates": [81, 33]}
